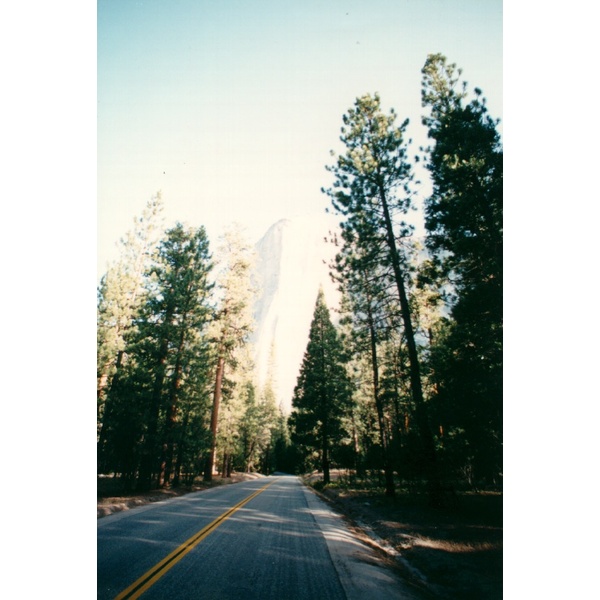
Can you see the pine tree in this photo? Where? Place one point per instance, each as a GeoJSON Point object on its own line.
{"type": "Point", "coordinates": [258, 429]}
{"type": "Point", "coordinates": [463, 218]}
{"type": "Point", "coordinates": [237, 392]}
{"type": "Point", "coordinates": [463, 215]}
{"type": "Point", "coordinates": [234, 322]}
{"type": "Point", "coordinates": [365, 287]}
{"type": "Point", "coordinates": [371, 190]}
{"type": "Point", "coordinates": [250, 429]}
{"type": "Point", "coordinates": [322, 396]}
{"type": "Point", "coordinates": [120, 296]}
{"type": "Point", "coordinates": [170, 343]}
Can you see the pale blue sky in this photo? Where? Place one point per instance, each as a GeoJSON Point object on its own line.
{"type": "Point", "coordinates": [231, 108]}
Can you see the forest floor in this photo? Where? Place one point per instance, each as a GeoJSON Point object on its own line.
{"type": "Point", "coordinates": [452, 552]}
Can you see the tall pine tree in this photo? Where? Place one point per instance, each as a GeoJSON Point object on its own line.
{"type": "Point", "coordinates": [366, 297]}
{"type": "Point", "coordinates": [463, 218]}
{"type": "Point", "coordinates": [372, 191]}
{"type": "Point", "coordinates": [233, 324]}
{"type": "Point", "coordinates": [120, 296]}
{"type": "Point", "coordinates": [322, 396]}
{"type": "Point", "coordinates": [170, 346]}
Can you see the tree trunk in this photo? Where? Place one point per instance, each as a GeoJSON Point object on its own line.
{"type": "Point", "coordinates": [325, 408]}
{"type": "Point", "coordinates": [267, 460]}
{"type": "Point", "coordinates": [210, 462]}
{"type": "Point", "coordinates": [172, 414]}
{"type": "Point", "coordinates": [148, 465]}
{"type": "Point", "coordinates": [387, 467]}
{"type": "Point", "coordinates": [383, 437]}
{"type": "Point", "coordinates": [248, 453]}
{"type": "Point", "coordinates": [107, 405]}
{"type": "Point", "coordinates": [325, 462]}
{"type": "Point", "coordinates": [358, 466]}
{"type": "Point", "coordinates": [181, 448]}
{"type": "Point", "coordinates": [413, 359]}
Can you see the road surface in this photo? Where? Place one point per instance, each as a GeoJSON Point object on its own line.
{"type": "Point", "coordinates": [268, 538]}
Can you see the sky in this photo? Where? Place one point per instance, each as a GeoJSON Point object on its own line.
{"type": "Point", "coordinates": [231, 109]}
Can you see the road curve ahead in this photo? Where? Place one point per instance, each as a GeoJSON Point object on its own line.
{"type": "Point", "coordinates": [269, 538]}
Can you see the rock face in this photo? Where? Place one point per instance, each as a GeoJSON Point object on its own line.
{"type": "Point", "coordinates": [293, 260]}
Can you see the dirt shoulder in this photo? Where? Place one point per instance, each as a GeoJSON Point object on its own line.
{"type": "Point", "coordinates": [451, 552]}
{"type": "Point", "coordinates": [110, 502]}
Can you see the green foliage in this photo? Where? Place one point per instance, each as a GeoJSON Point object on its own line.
{"type": "Point", "coordinates": [120, 296]}
{"type": "Point", "coordinates": [235, 292]}
{"type": "Point", "coordinates": [463, 215]}
{"type": "Point", "coordinates": [372, 191]}
{"type": "Point", "coordinates": [154, 406]}
{"type": "Point", "coordinates": [322, 396]}
{"type": "Point", "coordinates": [155, 427]}
{"type": "Point", "coordinates": [231, 328]}
{"type": "Point", "coordinates": [373, 178]}
{"type": "Point", "coordinates": [463, 218]}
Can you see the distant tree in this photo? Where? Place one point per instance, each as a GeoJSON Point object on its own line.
{"type": "Point", "coordinates": [274, 428]}
{"type": "Point", "coordinates": [238, 391]}
{"type": "Point", "coordinates": [259, 429]}
{"type": "Point", "coordinates": [234, 322]}
{"type": "Point", "coordinates": [276, 452]}
{"type": "Point", "coordinates": [120, 296]}
{"type": "Point", "coordinates": [372, 188]}
{"type": "Point", "coordinates": [250, 430]}
{"type": "Point", "coordinates": [463, 219]}
{"type": "Point", "coordinates": [366, 297]}
{"type": "Point", "coordinates": [170, 342]}
{"type": "Point", "coordinates": [322, 396]}
{"type": "Point", "coordinates": [364, 425]}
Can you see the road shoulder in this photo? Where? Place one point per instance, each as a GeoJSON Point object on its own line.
{"type": "Point", "coordinates": [362, 572]}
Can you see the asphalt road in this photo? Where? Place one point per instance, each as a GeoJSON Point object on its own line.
{"type": "Point", "coordinates": [269, 538]}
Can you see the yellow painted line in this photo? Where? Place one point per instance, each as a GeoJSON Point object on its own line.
{"type": "Point", "coordinates": [137, 588]}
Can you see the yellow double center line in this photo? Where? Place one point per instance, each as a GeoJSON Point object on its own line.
{"type": "Point", "coordinates": [137, 588]}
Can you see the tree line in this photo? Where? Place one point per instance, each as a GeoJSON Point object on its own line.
{"type": "Point", "coordinates": [421, 327]}
{"type": "Point", "coordinates": [408, 385]}
{"type": "Point", "coordinates": [176, 396]}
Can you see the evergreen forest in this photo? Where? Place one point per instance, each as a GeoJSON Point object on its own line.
{"type": "Point", "coordinates": [403, 387]}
